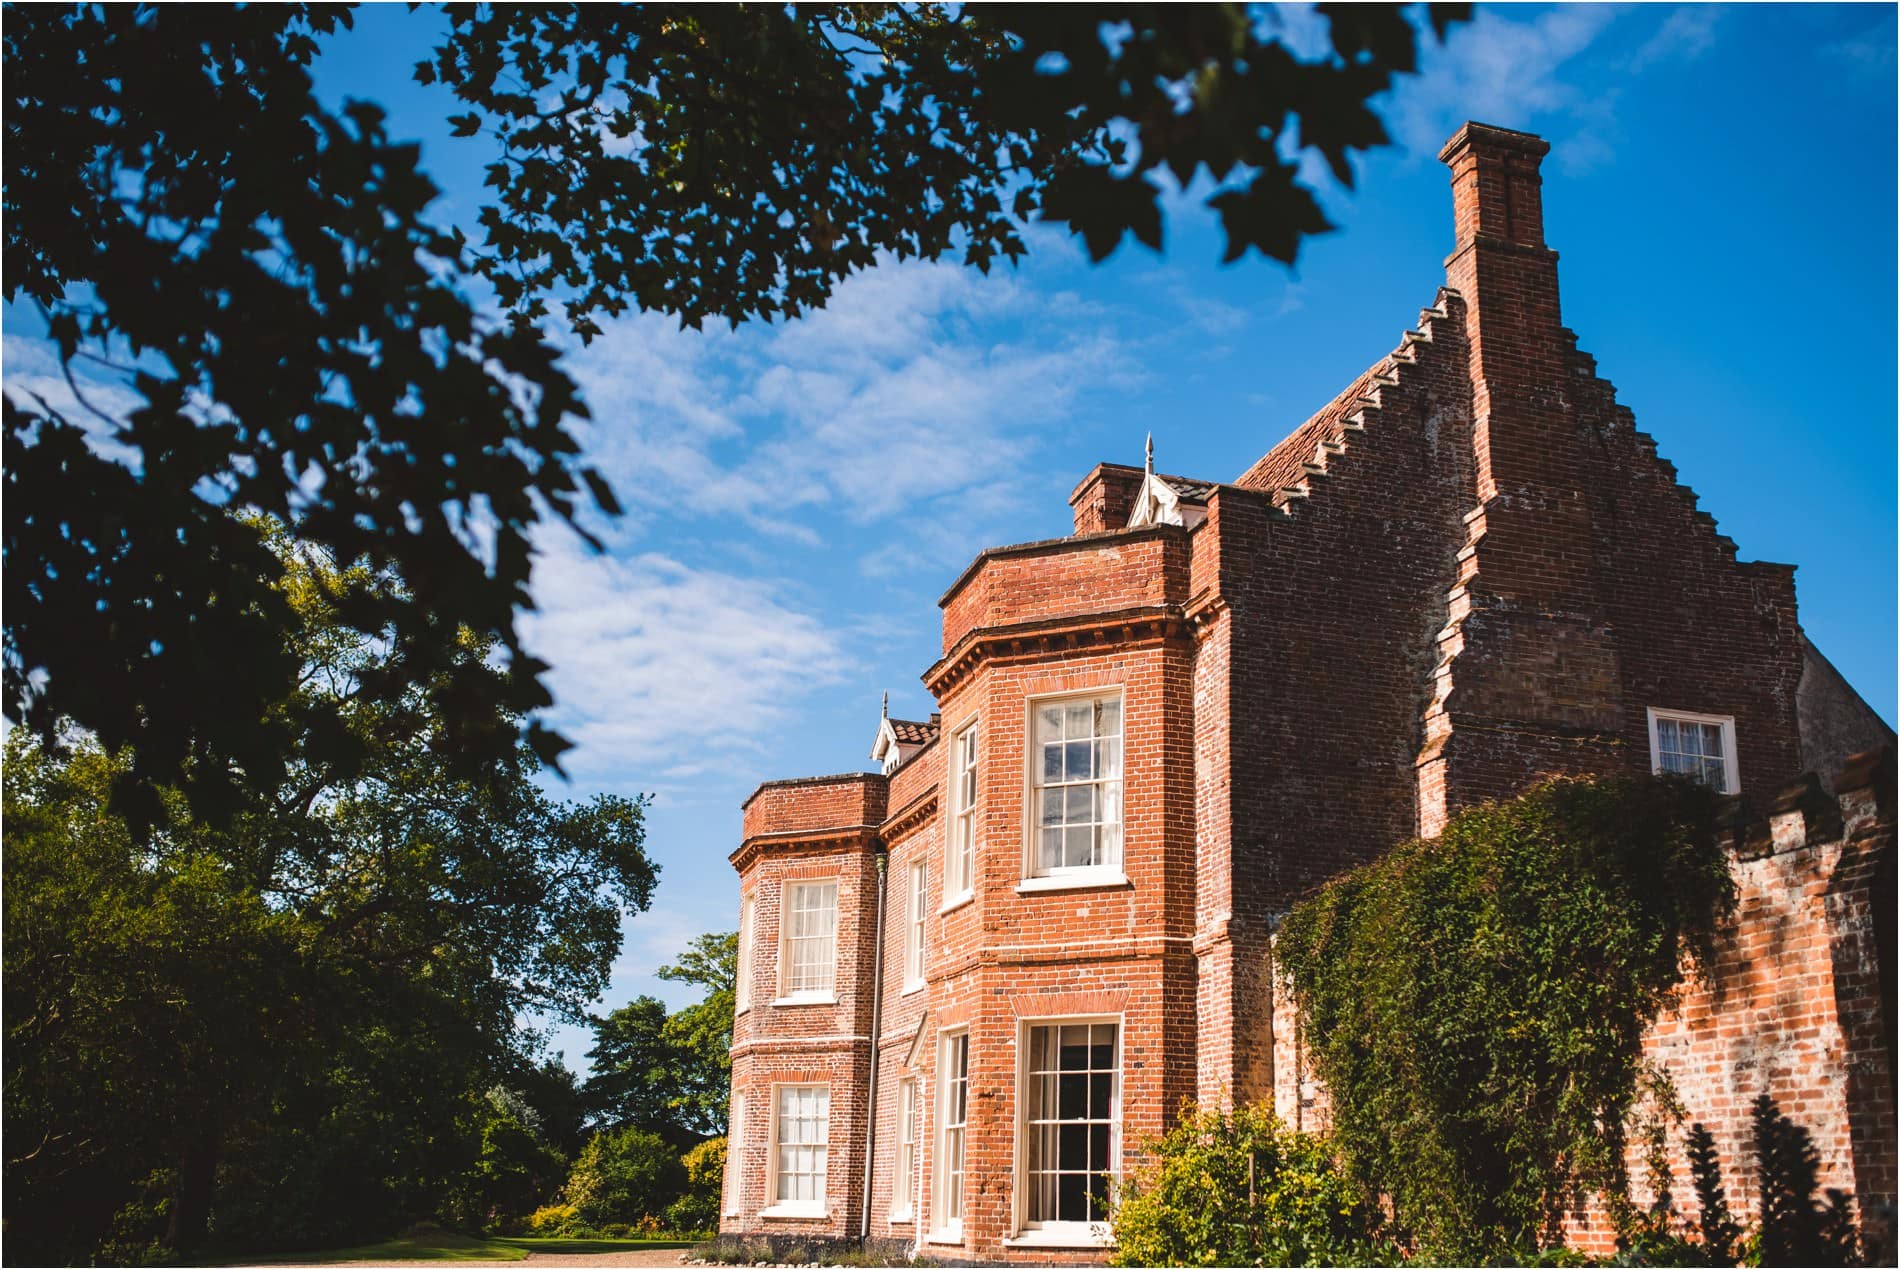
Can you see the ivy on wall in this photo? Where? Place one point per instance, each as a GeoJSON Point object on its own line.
{"type": "Point", "coordinates": [1476, 1003]}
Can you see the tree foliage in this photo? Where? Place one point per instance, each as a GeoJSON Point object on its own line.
{"type": "Point", "coordinates": [1476, 1003]}
{"type": "Point", "coordinates": [1241, 1189]}
{"type": "Point", "coordinates": [291, 1023]}
{"type": "Point", "coordinates": [698, 1207]}
{"type": "Point", "coordinates": [300, 336]}
{"type": "Point", "coordinates": [624, 1175]}
{"type": "Point", "coordinates": [670, 1074]}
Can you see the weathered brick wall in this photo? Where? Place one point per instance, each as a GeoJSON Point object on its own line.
{"type": "Point", "coordinates": [1334, 602]}
{"type": "Point", "coordinates": [1835, 723]}
{"type": "Point", "coordinates": [1791, 1005]}
{"type": "Point", "coordinates": [1105, 498]}
{"type": "Point", "coordinates": [1590, 587]}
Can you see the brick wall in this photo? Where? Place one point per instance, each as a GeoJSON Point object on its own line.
{"type": "Point", "coordinates": [1467, 571]}
{"type": "Point", "coordinates": [1792, 1004]}
{"type": "Point", "coordinates": [817, 830]}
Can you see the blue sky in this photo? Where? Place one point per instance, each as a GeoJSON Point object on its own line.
{"type": "Point", "coordinates": [1721, 189]}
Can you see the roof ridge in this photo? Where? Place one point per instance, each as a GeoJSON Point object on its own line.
{"type": "Point", "coordinates": [1620, 415]}
{"type": "Point", "coordinates": [1288, 471]}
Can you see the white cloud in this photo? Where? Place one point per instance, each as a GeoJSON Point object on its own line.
{"type": "Point", "coordinates": [658, 662]}
{"type": "Point", "coordinates": [1521, 73]}
{"type": "Point", "coordinates": [31, 374]}
{"type": "Point", "coordinates": [1498, 71]}
{"type": "Point", "coordinates": [650, 940]}
{"type": "Point", "coordinates": [1685, 34]}
{"type": "Point", "coordinates": [917, 381]}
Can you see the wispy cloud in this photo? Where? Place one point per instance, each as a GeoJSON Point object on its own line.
{"type": "Point", "coordinates": [1868, 56]}
{"type": "Point", "coordinates": [1501, 71]}
{"type": "Point", "coordinates": [1530, 72]}
{"type": "Point", "coordinates": [918, 381]}
{"type": "Point", "coordinates": [1685, 34]}
{"type": "Point", "coordinates": [656, 661]}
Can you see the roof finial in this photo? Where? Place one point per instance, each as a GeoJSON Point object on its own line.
{"type": "Point", "coordinates": [887, 704]}
{"type": "Point", "coordinates": [1151, 454]}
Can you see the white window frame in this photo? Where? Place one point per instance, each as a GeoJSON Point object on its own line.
{"type": "Point", "coordinates": [1062, 878]}
{"type": "Point", "coordinates": [735, 1156]}
{"type": "Point", "coordinates": [946, 1229]}
{"type": "Point", "coordinates": [1058, 1234]}
{"type": "Point", "coordinates": [787, 995]}
{"type": "Point", "coordinates": [904, 1176]}
{"type": "Point", "coordinates": [960, 845]}
{"type": "Point", "coordinates": [915, 932]}
{"type": "Point", "coordinates": [742, 988]}
{"type": "Point", "coordinates": [795, 1208]}
{"type": "Point", "coordinates": [1730, 769]}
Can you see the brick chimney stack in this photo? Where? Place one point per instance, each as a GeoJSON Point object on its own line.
{"type": "Point", "coordinates": [1497, 192]}
{"type": "Point", "coordinates": [1508, 277]}
{"type": "Point", "coordinates": [1529, 675]}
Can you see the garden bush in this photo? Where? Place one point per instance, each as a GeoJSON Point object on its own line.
{"type": "Point", "coordinates": [1476, 1003]}
{"type": "Point", "coordinates": [625, 1175]}
{"type": "Point", "coordinates": [698, 1208]}
{"type": "Point", "coordinates": [1243, 1190]}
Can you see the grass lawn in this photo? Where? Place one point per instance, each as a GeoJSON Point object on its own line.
{"type": "Point", "coordinates": [444, 1245]}
{"type": "Point", "coordinates": [556, 1244]}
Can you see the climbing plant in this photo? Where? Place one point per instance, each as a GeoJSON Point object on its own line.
{"type": "Point", "coordinates": [1476, 1002]}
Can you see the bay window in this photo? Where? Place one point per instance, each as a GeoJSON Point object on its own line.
{"type": "Point", "coordinates": [1076, 787]}
{"type": "Point", "coordinates": [808, 960]}
{"type": "Point", "coordinates": [801, 1140]}
{"type": "Point", "coordinates": [1070, 1128]}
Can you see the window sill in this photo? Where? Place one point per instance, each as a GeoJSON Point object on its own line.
{"type": "Point", "coordinates": [802, 1211]}
{"type": "Point", "coordinates": [909, 988]}
{"type": "Point", "coordinates": [807, 998]}
{"type": "Point", "coordinates": [956, 902]}
{"type": "Point", "coordinates": [904, 1218]}
{"type": "Point", "coordinates": [952, 1237]}
{"type": "Point", "coordinates": [1073, 882]}
{"type": "Point", "coordinates": [1060, 1237]}
{"type": "Point", "coordinates": [737, 1010]}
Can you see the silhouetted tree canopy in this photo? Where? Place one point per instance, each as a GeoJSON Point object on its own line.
{"type": "Point", "coordinates": [302, 337]}
{"type": "Point", "coordinates": [302, 1023]}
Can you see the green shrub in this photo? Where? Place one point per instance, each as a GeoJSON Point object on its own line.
{"type": "Point", "coordinates": [1476, 1003]}
{"type": "Point", "coordinates": [698, 1208]}
{"type": "Point", "coordinates": [1243, 1190]}
{"type": "Point", "coordinates": [625, 1175]}
{"type": "Point", "coordinates": [513, 1173]}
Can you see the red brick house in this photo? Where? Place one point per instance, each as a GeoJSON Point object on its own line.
{"type": "Point", "coordinates": [1485, 573]}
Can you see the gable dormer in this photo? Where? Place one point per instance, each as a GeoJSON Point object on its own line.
{"type": "Point", "coordinates": [899, 739]}
{"type": "Point", "coordinates": [1170, 500]}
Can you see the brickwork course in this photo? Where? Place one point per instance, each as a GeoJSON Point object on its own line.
{"type": "Point", "coordinates": [1467, 572]}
